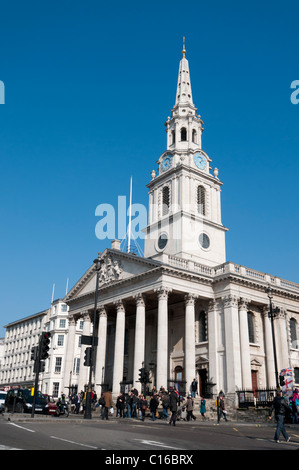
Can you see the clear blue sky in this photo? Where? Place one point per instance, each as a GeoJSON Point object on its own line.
{"type": "Point", "coordinates": [88, 87]}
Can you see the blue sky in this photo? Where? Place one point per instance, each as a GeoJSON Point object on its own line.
{"type": "Point", "coordinates": [88, 87]}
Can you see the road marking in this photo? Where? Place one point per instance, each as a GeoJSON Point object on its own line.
{"type": "Point", "coordinates": [8, 448]}
{"type": "Point", "coordinates": [21, 427]}
{"type": "Point", "coordinates": [72, 442]}
{"type": "Point", "coordinates": [155, 443]}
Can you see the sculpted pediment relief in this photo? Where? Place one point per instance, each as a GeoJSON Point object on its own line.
{"type": "Point", "coordinates": [111, 271]}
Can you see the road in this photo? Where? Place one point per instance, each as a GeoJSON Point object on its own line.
{"type": "Point", "coordinates": [131, 435]}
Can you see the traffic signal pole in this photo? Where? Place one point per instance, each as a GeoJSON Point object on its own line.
{"type": "Point", "coordinates": [40, 354]}
{"type": "Point", "coordinates": [36, 367]}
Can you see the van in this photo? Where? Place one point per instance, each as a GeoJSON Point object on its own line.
{"type": "Point", "coordinates": [20, 401]}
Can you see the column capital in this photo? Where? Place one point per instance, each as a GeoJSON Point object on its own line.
{"type": "Point", "coordinates": [102, 311]}
{"type": "Point", "coordinates": [85, 314]}
{"type": "Point", "coordinates": [190, 298]}
{"type": "Point", "coordinates": [119, 305]}
{"type": "Point", "coordinates": [230, 300]}
{"type": "Point", "coordinates": [139, 298]}
{"type": "Point", "coordinates": [212, 305]}
{"type": "Point", "coordinates": [243, 303]}
{"type": "Point", "coordinates": [71, 320]}
{"type": "Point", "coordinates": [162, 292]}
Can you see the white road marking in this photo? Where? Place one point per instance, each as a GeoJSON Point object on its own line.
{"type": "Point", "coordinates": [72, 442]}
{"type": "Point", "coordinates": [155, 443]}
{"type": "Point", "coordinates": [21, 427]}
{"type": "Point", "coordinates": [8, 448]}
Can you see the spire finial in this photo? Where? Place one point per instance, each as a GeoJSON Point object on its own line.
{"type": "Point", "coordinates": [184, 50]}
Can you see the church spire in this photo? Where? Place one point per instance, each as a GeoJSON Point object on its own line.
{"type": "Point", "coordinates": [184, 93]}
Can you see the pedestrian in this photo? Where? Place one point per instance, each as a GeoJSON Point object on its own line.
{"type": "Point", "coordinates": [128, 403]}
{"type": "Point", "coordinates": [120, 405]}
{"type": "Point", "coordinates": [153, 406]}
{"type": "Point", "coordinates": [221, 411]}
{"type": "Point", "coordinates": [108, 403]}
{"type": "Point", "coordinates": [173, 405]}
{"type": "Point", "coordinates": [134, 404]}
{"type": "Point", "coordinates": [189, 408]}
{"type": "Point", "coordinates": [203, 408]}
{"type": "Point", "coordinates": [142, 406]}
{"type": "Point", "coordinates": [279, 405]}
{"type": "Point", "coordinates": [165, 405]}
{"type": "Point", "coordinates": [194, 388]}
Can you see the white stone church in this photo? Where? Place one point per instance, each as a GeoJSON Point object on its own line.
{"type": "Point", "coordinates": [183, 311]}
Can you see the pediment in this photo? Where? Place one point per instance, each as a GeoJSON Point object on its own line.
{"type": "Point", "coordinates": [117, 266]}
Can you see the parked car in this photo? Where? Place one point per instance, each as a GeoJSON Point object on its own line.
{"type": "Point", "coordinates": [21, 401]}
{"type": "Point", "coordinates": [2, 400]}
{"type": "Point", "coordinates": [51, 406]}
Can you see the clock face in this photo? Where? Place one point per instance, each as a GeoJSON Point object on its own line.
{"type": "Point", "coordinates": [166, 162]}
{"type": "Point", "coordinates": [200, 161]}
{"type": "Point", "coordinates": [162, 241]}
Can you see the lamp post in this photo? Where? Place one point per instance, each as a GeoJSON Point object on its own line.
{"type": "Point", "coordinates": [87, 415]}
{"type": "Point", "coordinates": [272, 314]}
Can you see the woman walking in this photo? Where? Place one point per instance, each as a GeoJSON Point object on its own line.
{"type": "Point", "coordinates": [203, 408]}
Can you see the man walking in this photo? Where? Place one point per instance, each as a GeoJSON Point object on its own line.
{"type": "Point", "coordinates": [280, 407]}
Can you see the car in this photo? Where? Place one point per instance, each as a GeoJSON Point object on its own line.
{"type": "Point", "coordinates": [20, 401]}
{"type": "Point", "coordinates": [51, 406]}
{"type": "Point", "coordinates": [2, 400]}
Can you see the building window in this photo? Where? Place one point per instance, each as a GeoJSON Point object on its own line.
{"type": "Point", "coordinates": [55, 389]}
{"type": "Point", "coordinates": [201, 200]}
{"type": "Point", "coordinates": [183, 134]}
{"type": "Point", "coordinates": [173, 137]}
{"type": "Point", "coordinates": [194, 136]}
{"type": "Point", "coordinates": [64, 308]}
{"type": "Point", "coordinates": [60, 340]}
{"type": "Point", "coordinates": [293, 331]}
{"type": "Point", "coordinates": [58, 363]}
{"type": "Point", "coordinates": [62, 323]}
{"type": "Point", "coordinates": [296, 375]}
{"type": "Point", "coordinates": [250, 319]}
{"type": "Point", "coordinates": [202, 331]}
{"type": "Point", "coordinates": [76, 367]}
{"type": "Point", "coordinates": [165, 200]}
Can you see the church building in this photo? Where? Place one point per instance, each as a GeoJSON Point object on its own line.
{"type": "Point", "coordinates": [183, 311]}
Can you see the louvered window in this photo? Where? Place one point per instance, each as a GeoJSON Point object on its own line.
{"type": "Point", "coordinates": [293, 330]}
{"type": "Point", "coordinates": [165, 200]}
{"type": "Point", "coordinates": [201, 200]}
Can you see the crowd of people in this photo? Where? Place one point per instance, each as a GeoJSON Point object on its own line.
{"type": "Point", "coordinates": [162, 404]}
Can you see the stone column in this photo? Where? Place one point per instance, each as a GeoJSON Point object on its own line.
{"type": "Point", "coordinates": [189, 339]}
{"type": "Point", "coordinates": [213, 342]}
{"type": "Point", "coordinates": [162, 338]}
{"type": "Point", "coordinates": [139, 349]}
{"type": "Point", "coordinates": [244, 343]}
{"type": "Point", "coordinates": [70, 348]}
{"type": "Point", "coordinates": [119, 348]}
{"type": "Point", "coordinates": [281, 337]}
{"type": "Point", "coordinates": [232, 344]}
{"type": "Point", "coordinates": [270, 365]}
{"type": "Point", "coordinates": [101, 350]}
{"type": "Point", "coordinates": [84, 371]}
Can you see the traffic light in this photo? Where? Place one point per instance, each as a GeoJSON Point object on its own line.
{"type": "Point", "coordinates": [33, 353]}
{"type": "Point", "coordinates": [87, 357]}
{"type": "Point", "coordinates": [146, 377]}
{"type": "Point", "coordinates": [281, 380]}
{"type": "Point", "coordinates": [41, 366]}
{"type": "Point", "coordinates": [141, 374]}
{"type": "Point", "coordinates": [44, 345]}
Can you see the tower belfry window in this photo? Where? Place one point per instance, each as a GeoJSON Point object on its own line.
{"type": "Point", "coordinates": [201, 200]}
{"type": "Point", "coordinates": [165, 200]}
{"type": "Point", "coordinates": [194, 136]}
{"type": "Point", "coordinates": [183, 134]}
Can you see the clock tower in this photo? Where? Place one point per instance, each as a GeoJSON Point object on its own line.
{"type": "Point", "coordinates": [184, 198]}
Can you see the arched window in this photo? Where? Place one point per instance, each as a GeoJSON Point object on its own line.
{"type": "Point", "coordinates": [173, 137]}
{"type": "Point", "coordinates": [183, 134]}
{"type": "Point", "coordinates": [250, 319]}
{"type": "Point", "coordinates": [202, 330]}
{"type": "Point", "coordinates": [201, 200]}
{"type": "Point", "coordinates": [194, 136]}
{"type": "Point", "coordinates": [165, 200]}
{"type": "Point", "coordinates": [293, 331]}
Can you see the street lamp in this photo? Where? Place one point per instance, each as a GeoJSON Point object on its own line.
{"type": "Point", "coordinates": [87, 415]}
{"type": "Point", "coordinates": [272, 314]}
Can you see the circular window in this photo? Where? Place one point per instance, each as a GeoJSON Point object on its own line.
{"type": "Point", "coordinates": [204, 241]}
{"type": "Point", "coordinates": [162, 241]}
